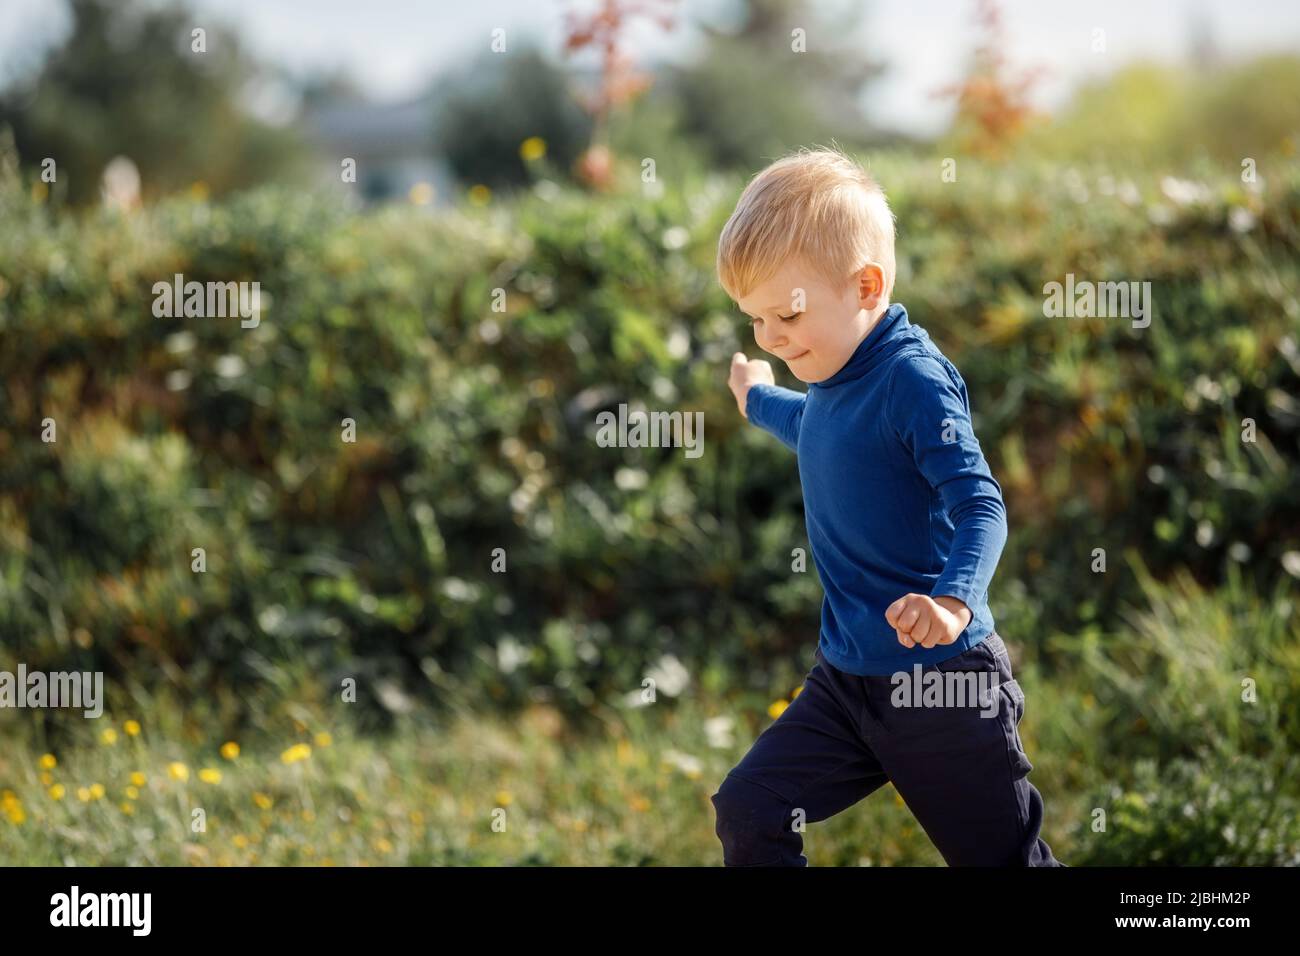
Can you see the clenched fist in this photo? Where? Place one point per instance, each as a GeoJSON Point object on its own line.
{"type": "Point", "coordinates": [921, 619]}
{"type": "Point", "coordinates": [745, 373]}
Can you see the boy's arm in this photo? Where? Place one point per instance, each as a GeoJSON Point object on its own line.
{"type": "Point", "coordinates": [929, 410]}
{"type": "Point", "coordinates": [777, 410]}
{"type": "Point", "coordinates": [769, 406]}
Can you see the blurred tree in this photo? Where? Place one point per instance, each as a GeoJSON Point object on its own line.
{"type": "Point", "coordinates": [993, 108]}
{"type": "Point", "coordinates": [1148, 113]}
{"type": "Point", "coordinates": [497, 103]}
{"type": "Point", "coordinates": [620, 82]}
{"type": "Point", "coordinates": [126, 81]}
{"type": "Point", "coordinates": [760, 88]}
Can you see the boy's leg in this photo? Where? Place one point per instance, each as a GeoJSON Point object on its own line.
{"type": "Point", "coordinates": [962, 770]}
{"type": "Point", "coordinates": [812, 759]}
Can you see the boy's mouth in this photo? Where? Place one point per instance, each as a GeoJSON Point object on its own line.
{"type": "Point", "coordinates": [794, 358]}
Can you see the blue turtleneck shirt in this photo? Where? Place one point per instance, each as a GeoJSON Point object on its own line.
{"type": "Point", "coordinates": [897, 495]}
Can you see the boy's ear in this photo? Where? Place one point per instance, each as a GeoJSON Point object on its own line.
{"type": "Point", "coordinates": [871, 285]}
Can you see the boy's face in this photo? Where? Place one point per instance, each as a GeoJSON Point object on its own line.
{"type": "Point", "coordinates": [826, 326]}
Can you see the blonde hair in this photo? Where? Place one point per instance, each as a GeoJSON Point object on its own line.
{"type": "Point", "coordinates": [817, 205]}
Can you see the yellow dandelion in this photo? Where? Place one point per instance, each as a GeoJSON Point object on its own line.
{"type": "Point", "coordinates": [178, 771]}
{"type": "Point", "coordinates": [421, 194]}
{"type": "Point", "coordinates": [295, 753]}
{"type": "Point", "coordinates": [639, 803]}
{"type": "Point", "coordinates": [417, 818]}
{"type": "Point", "coordinates": [137, 779]}
{"type": "Point", "coordinates": [230, 750]}
{"type": "Point", "coordinates": [262, 800]}
{"type": "Point", "coordinates": [776, 708]}
{"type": "Point", "coordinates": [323, 739]}
{"type": "Point", "coordinates": [14, 811]}
{"type": "Point", "coordinates": [132, 728]}
{"type": "Point", "coordinates": [83, 794]}
{"type": "Point", "coordinates": [480, 195]}
{"type": "Point", "coordinates": [109, 736]}
{"type": "Point", "coordinates": [504, 799]}
{"type": "Point", "coordinates": [533, 148]}
{"type": "Point", "coordinates": [210, 775]}
{"type": "Point", "coordinates": [580, 826]}
{"type": "Point", "coordinates": [127, 808]}
{"type": "Point", "coordinates": [240, 841]}
{"type": "Point", "coordinates": [96, 791]}
{"type": "Point", "coordinates": [48, 762]}
{"type": "Point", "coordinates": [383, 846]}
{"type": "Point", "coordinates": [57, 791]}
{"type": "Point", "coordinates": [132, 793]}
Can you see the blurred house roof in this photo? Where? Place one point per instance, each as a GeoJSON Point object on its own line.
{"type": "Point", "coordinates": [374, 128]}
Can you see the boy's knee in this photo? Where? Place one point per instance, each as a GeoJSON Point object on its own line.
{"type": "Point", "coordinates": [749, 822]}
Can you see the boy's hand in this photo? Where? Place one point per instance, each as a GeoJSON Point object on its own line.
{"type": "Point", "coordinates": [921, 619]}
{"type": "Point", "coordinates": [745, 373]}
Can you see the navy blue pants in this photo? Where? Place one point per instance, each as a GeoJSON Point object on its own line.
{"type": "Point", "coordinates": [961, 772]}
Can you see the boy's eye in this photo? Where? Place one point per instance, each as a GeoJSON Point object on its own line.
{"type": "Point", "coordinates": [784, 318]}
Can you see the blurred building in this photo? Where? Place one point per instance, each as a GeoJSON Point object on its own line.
{"type": "Point", "coordinates": [392, 144]}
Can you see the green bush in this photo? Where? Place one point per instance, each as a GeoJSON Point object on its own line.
{"type": "Point", "coordinates": [475, 427]}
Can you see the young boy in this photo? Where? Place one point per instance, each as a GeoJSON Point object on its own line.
{"type": "Point", "coordinates": [906, 525]}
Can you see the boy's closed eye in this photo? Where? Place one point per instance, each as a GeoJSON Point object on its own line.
{"type": "Point", "coordinates": [784, 318]}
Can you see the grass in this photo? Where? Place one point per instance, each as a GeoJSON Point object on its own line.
{"type": "Point", "coordinates": [1147, 729]}
{"type": "Point", "coordinates": [472, 789]}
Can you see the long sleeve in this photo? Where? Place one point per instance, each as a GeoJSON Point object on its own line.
{"type": "Point", "coordinates": [777, 410]}
{"type": "Point", "coordinates": [930, 412]}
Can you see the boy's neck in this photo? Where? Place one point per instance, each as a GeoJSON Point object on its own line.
{"type": "Point", "coordinates": [872, 322]}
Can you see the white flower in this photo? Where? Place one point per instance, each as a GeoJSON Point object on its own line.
{"type": "Point", "coordinates": [459, 590]}
{"type": "Point", "coordinates": [717, 730]}
{"type": "Point", "coordinates": [630, 479]}
{"type": "Point", "coordinates": [675, 238]}
{"type": "Point", "coordinates": [684, 762]}
{"type": "Point", "coordinates": [679, 343]}
{"type": "Point", "coordinates": [179, 342]}
{"type": "Point", "coordinates": [510, 654]}
{"type": "Point", "coordinates": [230, 366]}
{"type": "Point", "coordinates": [1291, 563]}
{"type": "Point", "coordinates": [1184, 192]}
{"type": "Point", "coordinates": [669, 675]}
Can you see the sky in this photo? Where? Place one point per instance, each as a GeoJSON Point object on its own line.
{"type": "Point", "coordinates": [394, 48]}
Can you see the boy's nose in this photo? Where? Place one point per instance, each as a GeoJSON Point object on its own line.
{"type": "Point", "coordinates": [769, 343]}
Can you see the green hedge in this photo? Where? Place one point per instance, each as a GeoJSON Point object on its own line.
{"type": "Point", "coordinates": [475, 428]}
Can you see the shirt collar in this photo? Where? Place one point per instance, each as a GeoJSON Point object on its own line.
{"type": "Point", "coordinates": [885, 338]}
